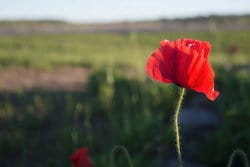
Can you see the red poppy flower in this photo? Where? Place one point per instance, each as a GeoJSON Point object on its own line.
{"type": "Point", "coordinates": [81, 158]}
{"type": "Point", "coordinates": [185, 63]}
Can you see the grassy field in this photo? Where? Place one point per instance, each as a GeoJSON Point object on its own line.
{"type": "Point", "coordinates": [41, 128]}
{"type": "Point", "coordinates": [50, 50]}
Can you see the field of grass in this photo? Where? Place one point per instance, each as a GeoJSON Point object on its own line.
{"type": "Point", "coordinates": [50, 50]}
{"type": "Point", "coordinates": [40, 128]}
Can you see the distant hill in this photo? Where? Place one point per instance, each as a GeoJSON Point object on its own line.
{"type": "Point", "coordinates": [217, 18]}
{"type": "Point", "coordinates": [210, 23]}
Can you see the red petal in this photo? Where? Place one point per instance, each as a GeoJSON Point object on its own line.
{"type": "Point", "coordinates": [157, 66]}
{"type": "Point", "coordinates": [183, 62]}
{"type": "Point", "coordinates": [201, 47]}
{"type": "Point", "coordinates": [204, 82]}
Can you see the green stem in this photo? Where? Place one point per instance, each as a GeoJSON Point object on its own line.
{"type": "Point", "coordinates": [176, 126]}
{"type": "Point", "coordinates": [122, 148]}
{"type": "Point", "coordinates": [241, 154]}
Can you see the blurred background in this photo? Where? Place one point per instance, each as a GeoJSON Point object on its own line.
{"type": "Point", "coordinates": [72, 75]}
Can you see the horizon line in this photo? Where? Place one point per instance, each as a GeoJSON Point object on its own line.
{"type": "Point", "coordinates": [103, 21]}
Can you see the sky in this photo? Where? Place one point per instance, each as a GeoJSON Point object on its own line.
{"type": "Point", "coordinates": [117, 10]}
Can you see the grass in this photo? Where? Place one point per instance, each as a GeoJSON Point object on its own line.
{"type": "Point", "coordinates": [41, 128]}
{"type": "Point", "coordinates": [50, 50]}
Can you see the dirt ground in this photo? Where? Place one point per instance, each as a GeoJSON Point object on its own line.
{"type": "Point", "coordinates": [59, 79]}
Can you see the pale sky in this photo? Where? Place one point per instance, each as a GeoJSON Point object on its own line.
{"type": "Point", "coordinates": [117, 10]}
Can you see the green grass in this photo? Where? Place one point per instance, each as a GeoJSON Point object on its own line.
{"type": "Point", "coordinates": [42, 128]}
{"type": "Point", "coordinates": [50, 50]}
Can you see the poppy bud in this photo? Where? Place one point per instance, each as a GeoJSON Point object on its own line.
{"type": "Point", "coordinates": [81, 158]}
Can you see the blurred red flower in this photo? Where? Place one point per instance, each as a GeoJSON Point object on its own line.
{"type": "Point", "coordinates": [185, 63]}
{"type": "Point", "coordinates": [81, 158]}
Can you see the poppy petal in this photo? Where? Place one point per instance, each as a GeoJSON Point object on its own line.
{"type": "Point", "coordinates": [156, 67]}
{"type": "Point", "coordinates": [185, 63]}
{"type": "Point", "coordinates": [204, 82]}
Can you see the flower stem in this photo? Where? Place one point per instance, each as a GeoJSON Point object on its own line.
{"type": "Point", "coordinates": [176, 126]}
{"type": "Point", "coordinates": [122, 148]}
{"type": "Point", "coordinates": [241, 154]}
